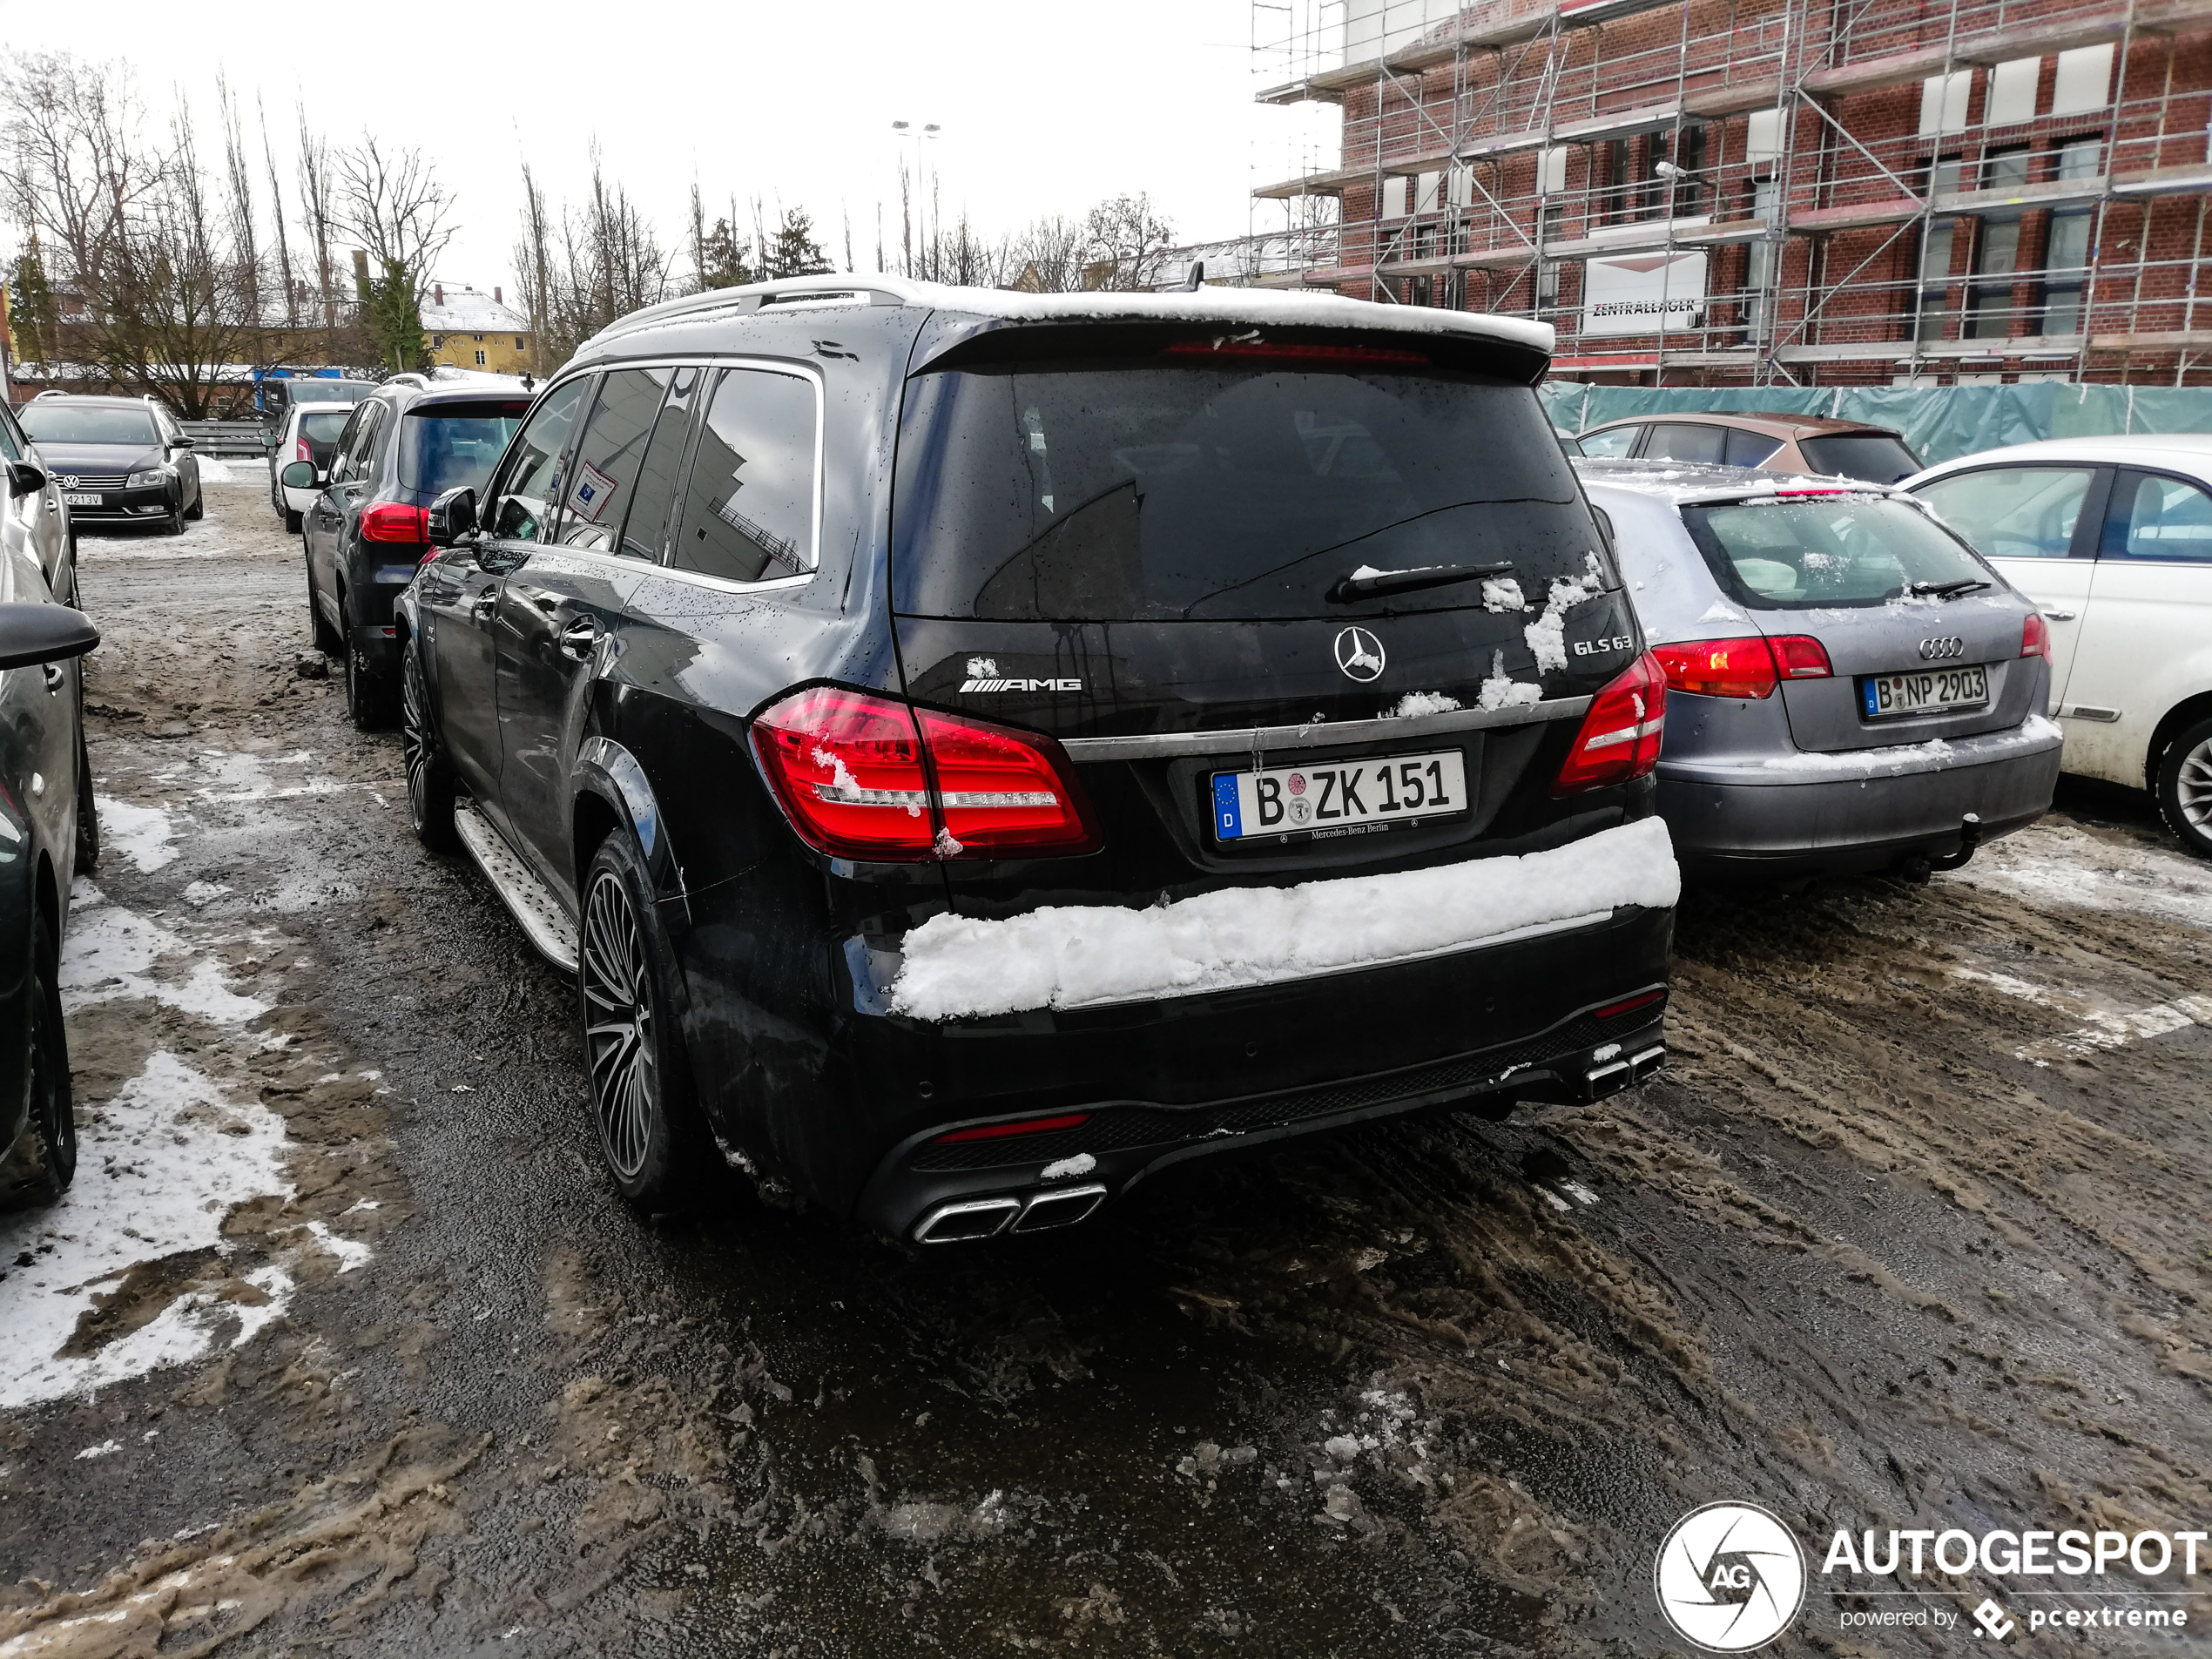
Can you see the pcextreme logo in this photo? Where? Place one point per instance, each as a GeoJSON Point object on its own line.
{"type": "Point", "coordinates": [1729, 1578]}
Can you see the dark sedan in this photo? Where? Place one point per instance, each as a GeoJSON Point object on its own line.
{"type": "Point", "coordinates": [118, 460]}
{"type": "Point", "coordinates": [364, 529]}
{"type": "Point", "coordinates": [48, 833]}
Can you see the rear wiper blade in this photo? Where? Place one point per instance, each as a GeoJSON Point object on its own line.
{"type": "Point", "coordinates": [1949, 590]}
{"type": "Point", "coordinates": [1366, 582]}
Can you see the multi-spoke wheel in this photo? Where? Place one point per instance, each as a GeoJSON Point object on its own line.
{"type": "Point", "coordinates": [429, 779]}
{"type": "Point", "coordinates": [2185, 788]}
{"type": "Point", "coordinates": [38, 1167]}
{"type": "Point", "coordinates": [649, 1131]}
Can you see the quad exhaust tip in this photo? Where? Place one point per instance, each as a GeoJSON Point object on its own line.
{"type": "Point", "coordinates": [1610, 1079]}
{"type": "Point", "coordinates": [971, 1219]}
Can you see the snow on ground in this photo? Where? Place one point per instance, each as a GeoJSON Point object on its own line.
{"type": "Point", "coordinates": [212, 471]}
{"type": "Point", "coordinates": [112, 953]}
{"type": "Point", "coordinates": [157, 1169]}
{"type": "Point", "coordinates": [1079, 956]}
{"type": "Point", "coordinates": [213, 536]}
{"type": "Point", "coordinates": [2054, 862]}
{"type": "Point", "coordinates": [141, 834]}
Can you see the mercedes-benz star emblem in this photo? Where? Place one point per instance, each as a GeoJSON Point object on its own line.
{"type": "Point", "coordinates": [1361, 655]}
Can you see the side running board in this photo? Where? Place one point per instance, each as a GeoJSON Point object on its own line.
{"type": "Point", "coordinates": [536, 910]}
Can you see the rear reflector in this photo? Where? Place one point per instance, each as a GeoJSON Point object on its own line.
{"type": "Point", "coordinates": [1620, 734]}
{"type": "Point", "coordinates": [2035, 637]}
{"type": "Point", "coordinates": [1026, 1126]}
{"type": "Point", "coordinates": [1645, 1000]}
{"type": "Point", "coordinates": [867, 777]}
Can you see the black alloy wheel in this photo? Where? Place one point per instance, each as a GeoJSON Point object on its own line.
{"type": "Point", "coordinates": [368, 694]}
{"type": "Point", "coordinates": [45, 1161]}
{"type": "Point", "coordinates": [649, 1131]}
{"type": "Point", "coordinates": [2184, 787]}
{"type": "Point", "coordinates": [429, 779]}
{"type": "Point", "coordinates": [174, 524]}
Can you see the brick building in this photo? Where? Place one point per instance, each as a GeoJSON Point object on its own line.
{"type": "Point", "coordinates": [1740, 191]}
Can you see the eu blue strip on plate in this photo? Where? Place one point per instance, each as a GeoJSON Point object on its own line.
{"type": "Point", "coordinates": [1866, 688]}
{"type": "Point", "coordinates": [1228, 824]}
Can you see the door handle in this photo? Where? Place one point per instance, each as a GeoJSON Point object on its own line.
{"type": "Point", "coordinates": [483, 605]}
{"type": "Point", "coordinates": [578, 638]}
{"type": "Point", "coordinates": [55, 678]}
{"type": "Point", "coordinates": [2057, 616]}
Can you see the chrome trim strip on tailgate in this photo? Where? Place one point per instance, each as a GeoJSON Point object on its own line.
{"type": "Point", "coordinates": [1245, 740]}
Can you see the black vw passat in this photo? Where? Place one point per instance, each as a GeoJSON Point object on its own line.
{"type": "Point", "coordinates": [977, 749]}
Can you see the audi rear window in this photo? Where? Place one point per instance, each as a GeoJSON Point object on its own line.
{"type": "Point", "coordinates": [1239, 488]}
{"type": "Point", "coordinates": [450, 445]}
{"type": "Point", "coordinates": [1811, 552]}
{"type": "Point", "coordinates": [1874, 457]}
{"type": "Point", "coordinates": [59, 422]}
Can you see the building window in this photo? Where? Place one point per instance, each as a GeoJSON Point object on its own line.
{"type": "Point", "coordinates": [480, 359]}
{"type": "Point", "coordinates": [1997, 246]}
{"type": "Point", "coordinates": [1547, 270]}
{"type": "Point", "coordinates": [437, 342]}
{"type": "Point", "coordinates": [1933, 293]}
{"type": "Point", "coordinates": [1613, 201]}
{"type": "Point", "coordinates": [479, 338]}
{"type": "Point", "coordinates": [518, 344]}
{"type": "Point", "coordinates": [1758, 262]}
{"type": "Point", "coordinates": [1688, 183]}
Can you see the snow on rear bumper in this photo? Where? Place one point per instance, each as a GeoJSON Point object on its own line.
{"type": "Point", "coordinates": [1097, 956]}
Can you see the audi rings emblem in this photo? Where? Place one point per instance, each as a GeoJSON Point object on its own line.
{"type": "Point", "coordinates": [1935, 650]}
{"type": "Point", "coordinates": [1359, 654]}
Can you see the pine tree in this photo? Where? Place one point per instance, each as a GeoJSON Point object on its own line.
{"type": "Point", "coordinates": [793, 250]}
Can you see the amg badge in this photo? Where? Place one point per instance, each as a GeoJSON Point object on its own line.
{"type": "Point", "coordinates": [983, 675]}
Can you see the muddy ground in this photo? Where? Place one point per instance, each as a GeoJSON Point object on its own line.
{"type": "Point", "coordinates": [1911, 1233]}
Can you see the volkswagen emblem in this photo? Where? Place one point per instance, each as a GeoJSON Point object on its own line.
{"type": "Point", "coordinates": [1933, 651]}
{"type": "Point", "coordinates": [69, 480]}
{"type": "Point", "coordinates": [1361, 655]}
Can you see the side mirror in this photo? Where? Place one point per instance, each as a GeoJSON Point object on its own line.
{"type": "Point", "coordinates": [300, 475]}
{"type": "Point", "coordinates": [43, 633]}
{"type": "Point", "coordinates": [452, 517]}
{"type": "Point", "coordinates": [24, 479]}
{"type": "Point", "coordinates": [182, 443]}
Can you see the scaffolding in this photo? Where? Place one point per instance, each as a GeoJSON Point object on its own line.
{"type": "Point", "coordinates": [1820, 191]}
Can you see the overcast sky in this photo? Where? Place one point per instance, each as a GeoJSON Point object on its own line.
{"type": "Point", "coordinates": [1045, 107]}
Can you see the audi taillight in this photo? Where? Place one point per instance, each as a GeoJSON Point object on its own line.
{"type": "Point", "coordinates": [390, 521]}
{"type": "Point", "coordinates": [866, 776]}
{"type": "Point", "coordinates": [1800, 657]}
{"type": "Point", "coordinates": [2035, 637]}
{"type": "Point", "coordinates": [1718, 667]}
{"type": "Point", "coordinates": [1620, 734]}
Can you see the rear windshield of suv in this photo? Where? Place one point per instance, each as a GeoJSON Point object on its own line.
{"type": "Point", "coordinates": [1137, 490]}
{"type": "Point", "coordinates": [450, 445]}
{"type": "Point", "coordinates": [1872, 457]}
{"type": "Point", "coordinates": [1783, 554]}
{"type": "Point", "coordinates": [76, 423]}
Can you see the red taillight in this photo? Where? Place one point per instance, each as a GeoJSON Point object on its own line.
{"type": "Point", "coordinates": [1718, 667]}
{"type": "Point", "coordinates": [866, 777]}
{"type": "Point", "coordinates": [1620, 734]}
{"type": "Point", "coordinates": [390, 521]}
{"type": "Point", "coordinates": [1615, 1009]}
{"type": "Point", "coordinates": [2035, 637]}
{"type": "Point", "coordinates": [1348, 355]}
{"type": "Point", "coordinates": [1800, 657]}
{"type": "Point", "coordinates": [1026, 1126]}
{"type": "Point", "coordinates": [301, 452]}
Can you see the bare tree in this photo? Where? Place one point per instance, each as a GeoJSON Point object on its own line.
{"type": "Point", "coordinates": [393, 204]}
{"type": "Point", "coordinates": [285, 273]}
{"type": "Point", "coordinates": [321, 214]}
{"type": "Point", "coordinates": [1049, 251]}
{"type": "Point", "coordinates": [155, 291]}
{"type": "Point", "coordinates": [237, 181]}
{"type": "Point", "coordinates": [1126, 242]}
{"type": "Point", "coordinates": [600, 261]}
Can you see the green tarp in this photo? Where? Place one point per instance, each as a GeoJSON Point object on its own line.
{"type": "Point", "coordinates": [1938, 421]}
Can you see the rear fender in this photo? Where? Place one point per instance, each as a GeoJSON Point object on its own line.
{"type": "Point", "coordinates": [609, 772]}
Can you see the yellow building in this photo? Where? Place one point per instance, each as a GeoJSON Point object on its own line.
{"type": "Point", "coordinates": [471, 329]}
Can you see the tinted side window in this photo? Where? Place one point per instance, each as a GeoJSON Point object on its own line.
{"type": "Point", "coordinates": [1749, 448]}
{"type": "Point", "coordinates": [524, 503]}
{"type": "Point", "coordinates": [2012, 512]}
{"type": "Point", "coordinates": [353, 453]}
{"type": "Point", "coordinates": [749, 505]}
{"type": "Point", "coordinates": [9, 445]}
{"type": "Point", "coordinates": [1679, 440]}
{"type": "Point", "coordinates": [608, 456]}
{"type": "Point", "coordinates": [644, 532]}
{"type": "Point", "coordinates": [2153, 517]}
{"type": "Point", "coordinates": [1618, 441]}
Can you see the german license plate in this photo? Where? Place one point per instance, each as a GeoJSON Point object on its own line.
{"type": "Point", "coordinates": [76, 498]}
{"type": "Point", "coordinates": [1340, 798]}
{"type": "Point", "coordinates": [1931, 690]}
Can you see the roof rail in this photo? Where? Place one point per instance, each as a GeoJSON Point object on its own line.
{"type": "Point", "coordinates": [407, 377]}
{"type": "Point", "coordinates": [896, 290]}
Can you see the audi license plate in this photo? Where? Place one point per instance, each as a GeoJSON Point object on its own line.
{"type": "Point", "coordinates": [1932, 690]}
{"type": "Point", "coordinates": [1342, 798]}
{"type": "Point", "coordinates": [77, 498]}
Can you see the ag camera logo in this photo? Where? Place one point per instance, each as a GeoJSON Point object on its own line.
{"type": "Point", "coordinates": [1729, 1578]}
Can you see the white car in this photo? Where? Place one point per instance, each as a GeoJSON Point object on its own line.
{"type": "Point", "coordinates": [309, 432]}
{"type": "Point", "coordinates": [2112, 537]}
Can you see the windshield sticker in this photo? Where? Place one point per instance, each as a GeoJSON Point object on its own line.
{"type": "Point", "coordinates": [594, 489]}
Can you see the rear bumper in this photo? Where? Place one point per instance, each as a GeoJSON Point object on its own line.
{"type": "Point", "coordinates": [1864, 810]}
{"type": "Point", "coordinates": [1160, 1081]}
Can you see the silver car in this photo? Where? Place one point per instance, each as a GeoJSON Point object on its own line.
{"type": "Point", "coordinates": [1850, 687]}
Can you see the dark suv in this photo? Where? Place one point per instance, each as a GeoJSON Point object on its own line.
{"type": "Point", "coordinates": [977, 749]}
{"type": "Point", "coordinates": [401, 448]}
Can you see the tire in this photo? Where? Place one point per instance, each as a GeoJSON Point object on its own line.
{"type": "Point", "coordinates": [372, 702]}
{"type": "Point", "coordinates": [88, 811]}
{"type": "Point", "coordinates": [42, 1164]}
{"type": "Point", "coordinates": [642, 1105]}
{"type": "Point", "coordinates": [2184, 787]}
{"type": "Point", "coordinates": [429, 778]}
{"type": "Point", "coordinates": [291, 521]}
{"type": "Point", "coordinates": [174, 524]}
{"type": "Point", "coordinates": [325, 638]}
{"type": "Point", "coordinates": [198, 508]}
